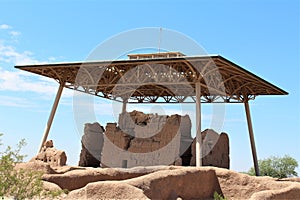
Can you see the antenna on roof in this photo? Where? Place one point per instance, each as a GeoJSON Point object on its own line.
{"type": "Point", "coordinates": [159, 39]}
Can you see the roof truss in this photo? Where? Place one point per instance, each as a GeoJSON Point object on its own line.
{"type": "Point", "coordinates": [162, 80]}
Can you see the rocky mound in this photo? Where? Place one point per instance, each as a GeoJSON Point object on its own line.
{"type": "Point", "coordinates": [166, 182]}
{"type": "Point", "coordinates": [107, 190]}
{"type": "Point", "coordinates": [189, 183]}
{"type": "Point", "coordinates": [79, 178]}
{"type": "Point", "coordinates": [242, 186]}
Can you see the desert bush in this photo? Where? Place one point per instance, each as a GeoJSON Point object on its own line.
{"type": "Point", "coordinates": [22, 183]}
{"type": "Point", "coordinates": [277, 167]}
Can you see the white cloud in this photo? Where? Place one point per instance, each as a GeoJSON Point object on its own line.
{"type": "Point", "coordinates": [15, 102]}
{"type": "Point", "coordinates": [15, 83]}
{"type": "Point", "coordinates": [9, 54]}
{"type": "Point", "coordinates": [19, 82]}
{"type": "Point", "coordinates": [14, 33]}
{"type": "Point", "coordinates": [5, 26]}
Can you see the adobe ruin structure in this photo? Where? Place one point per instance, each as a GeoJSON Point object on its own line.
{"type": "Point", "coordinates": [161, 78]}
{"type": "Point", "coordinates": [166, 140]}
{"type": "Point", "coordinates": [50, 155]}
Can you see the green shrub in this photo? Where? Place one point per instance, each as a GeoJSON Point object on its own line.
{"type": "Point", "coordinates": [218, 196]}
{"type": "Point", "coordinates": [20, 184]}
{"type": "Point", "coordinates": [277, 167]}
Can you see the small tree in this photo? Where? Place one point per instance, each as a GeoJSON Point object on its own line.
{"type": "Point", "coordinates": [277, 167]}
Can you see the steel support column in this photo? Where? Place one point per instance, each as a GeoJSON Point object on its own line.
{"type": "Point", "coordinates": [51, 116]}
{"type": "Point", "coordinates": [198, 125]}
{"type": "Point", "coordinates": [251, 135]}
{"type": "Point", "coordinates": [124, 106]}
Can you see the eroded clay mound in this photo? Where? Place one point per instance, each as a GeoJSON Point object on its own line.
{"type": "Point", "coordinates": [242, 186]}
{"type": "Point", "coordinates": [185, 183]}
{"type": "Point", "coordinates": [79, 178]}
{"type": "Point", "coordinates": [107, 190]}
{"type": "Point", "coordinates": [163, 182]}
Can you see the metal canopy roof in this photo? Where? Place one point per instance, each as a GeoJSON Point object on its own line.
{"type": "Point", "coordinates": [160, 80]}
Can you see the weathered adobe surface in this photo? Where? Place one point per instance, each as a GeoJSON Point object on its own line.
{"type": "Point", "coordinates": [92, 144]}
{"type": "Point", "coordinates": [75, 179]}
{"type": "Point", "coordinates": [170, 184]}
{"type": "Point", "coordinates": [138, 132]}
{"type": "Point", "coordinates": [51, 155]}
{"type": "Point", "coordinates": [215, 150]}
{"type": "Point", "coordinates": [167, 128]}
{"type": "Point", "coordinates": [161, 137]}
{"type": "Point", "coordinates": [242, 186]}
{"type": "Point", "coordinates": [165, 182]}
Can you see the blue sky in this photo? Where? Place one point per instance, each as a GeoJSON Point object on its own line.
{"type": "Point", "coordinates": [260, 36]}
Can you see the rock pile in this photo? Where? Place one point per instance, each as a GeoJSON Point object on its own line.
{"type": "Point", "coordinates": [51, 155]}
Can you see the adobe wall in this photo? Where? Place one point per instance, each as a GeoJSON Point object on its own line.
{"type": "Point", "coordinates": [215, 149]}
{"type": "Point", "coordinates": [151, 140]}
{"type": "Point", "coordinates": [50, 155]}
{"type": "Point", "coordinates": [92, 145]}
